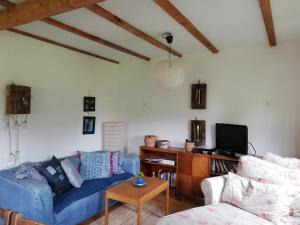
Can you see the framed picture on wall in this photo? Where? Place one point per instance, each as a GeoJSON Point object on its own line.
{"type": "Point", "coordinates": [89, 125]}
{"type": "Point", "coordinates": [89, 104]}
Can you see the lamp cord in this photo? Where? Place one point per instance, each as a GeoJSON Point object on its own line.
{"type": "Point", "coordinates": [170, 62]}
{"type": "Point", "coordinates": [252, 147]}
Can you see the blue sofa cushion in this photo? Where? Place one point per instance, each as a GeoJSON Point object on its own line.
{"type": "Point", "coordinates": [95, 165]}
{"type": "Point", "coordinates": [117, 159]}
{"type": "Point", "coordinates": [55, 175]}
{"type": "Point", "coordinates": [88, 188]}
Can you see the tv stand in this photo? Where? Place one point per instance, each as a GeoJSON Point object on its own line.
{"type": "Point", "coordinates": [190, 168]}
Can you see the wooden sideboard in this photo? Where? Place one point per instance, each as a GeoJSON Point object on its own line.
{"type": "Point", "coordinates": [190, 168]}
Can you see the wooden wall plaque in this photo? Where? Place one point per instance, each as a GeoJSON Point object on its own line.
{"type": "Point", "coordinates": [198, 132]}
{"type": "Point", "coordinates": [18, 99]}
{"type": "Point", "coordinates": [199, 96]}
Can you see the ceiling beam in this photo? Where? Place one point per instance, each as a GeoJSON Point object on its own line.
{"type": "Point", "coordinates": [169, 8]}
{"type": "Point", "coordinates": [31, 10]}
{"type": "Point", "coordinates": [266, 11]}
{"type": "Point", "coordinates": [9, 4]}
{"type": "Point", "coordinates": [128, 27]}
{"type": "Point", "coordinates": [91, 37]}
{"type": "Point", "coordinates": [6, 3]}
{"type": "Point", "coordinates": [83, 34]}
{"type": "Point", "coordinates": [60, 44]}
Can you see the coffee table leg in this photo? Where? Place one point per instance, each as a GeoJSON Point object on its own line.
{"type": "Point", "coordinates": [106, 211]}
{"type": "Point", "coordinates": [167, 201]}
{"type": "Point", "coordinates": [139, 214]}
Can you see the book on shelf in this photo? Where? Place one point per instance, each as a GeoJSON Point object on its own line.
{"type": "Point", "coordinates": [170, 162]}
{"type": "Point", "coordinates": [219, 166]}
{"type": "Point", "coordinates": [166, 175]}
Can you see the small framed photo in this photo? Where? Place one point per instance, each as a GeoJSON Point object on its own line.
{"type": "Point", "coordinates": [89, 125]}
{"type": "Point", "coordinates": [89, 104]}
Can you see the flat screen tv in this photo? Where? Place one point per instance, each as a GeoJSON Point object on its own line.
{"type": "Point", "coordinates": [232, 139]}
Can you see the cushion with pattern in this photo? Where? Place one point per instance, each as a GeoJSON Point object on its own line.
{"type": "Point", "coordinates": [55, 176]}
{"type": "Point", "coordinates": [95, 165]}
{"type": "Point", "coordinates": [117, 159]}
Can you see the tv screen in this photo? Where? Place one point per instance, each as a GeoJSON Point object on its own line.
{"type": "Point", "coordinates": [232, 138]}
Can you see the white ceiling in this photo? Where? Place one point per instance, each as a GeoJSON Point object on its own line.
{"type": "Point", "coordinates": [227, 24]}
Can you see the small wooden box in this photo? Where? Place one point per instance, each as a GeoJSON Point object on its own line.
{"type": "Point", "coordinates": [18, 99]}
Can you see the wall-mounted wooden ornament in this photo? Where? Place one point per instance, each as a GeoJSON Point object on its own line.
{"type": "Point", "coordinates": [18, 99]}
{"type": "Point", "coordinates": [199, 96]}
{"type": "Point", "coordinates": [198, 132]}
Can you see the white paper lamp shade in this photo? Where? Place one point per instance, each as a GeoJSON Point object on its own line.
{"type": "Point", "coordinates": [168, 77]}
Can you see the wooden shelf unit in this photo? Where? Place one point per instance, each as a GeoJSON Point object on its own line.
{"type": "Point", "coordinates": [148, 167]}
{"type": "Point", "coordinates": [190, 168]}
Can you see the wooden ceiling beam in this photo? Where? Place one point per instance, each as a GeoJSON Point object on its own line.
{"type": "Point", "coordinates": [128, 27]}
{"type": "Point", "coordinates": [6, 3]}
{"type": "Point", "coordinates": [169, 8]}
{"type": "Point", "coordinates": [60, 44]}
{"type": "Point", "coordinates": [83, 34]}
{"type": "Point", "coordinates": [91, 37]}
{"type": "Point", "coordinates": [9, 4]}
{"type": "Point", "coordinates": [29, 11]}
{"type": "Point", "coordinates": [266, 10]}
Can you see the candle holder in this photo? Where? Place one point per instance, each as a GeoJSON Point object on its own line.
{"type": "Point", "coordinates": [198, 132]}
{"type": "Point", "coordinates": [198, 96]}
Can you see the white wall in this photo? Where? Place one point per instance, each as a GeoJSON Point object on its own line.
{"type": "Point", "coordinates": [239, 82]}
{"type": "Point", "coordinates": [59, 79]}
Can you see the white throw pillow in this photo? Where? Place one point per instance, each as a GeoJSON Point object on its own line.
{"type": "Point", "coordinates": [291, 163]}
{"type": "Point", "coordinates": [72, 173]}
{"type": "Point", "coordinates": [295, 207]}
{"type": "Point", "coordinates": [268, 201]}
{"type": "Point", "coordinates": [265, 171]}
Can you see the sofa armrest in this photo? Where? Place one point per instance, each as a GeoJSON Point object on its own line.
{"type": "Point", "coordinates": [33, 199]}
{"type": "Point", "coordinates": [212, 189]}
{"type": "Point", "coordinates": [131, 164]}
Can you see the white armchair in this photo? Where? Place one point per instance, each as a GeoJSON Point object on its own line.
{"type": "Point", "coordinates": [217, 212]}
{"type": "Point", "coordinates": [212, 189]}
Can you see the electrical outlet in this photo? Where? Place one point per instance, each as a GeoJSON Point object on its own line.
{"type": "Point", "coordinates": [145, 104]}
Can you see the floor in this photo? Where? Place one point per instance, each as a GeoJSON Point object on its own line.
{"type": "Point", "coordinates": [175, 206]}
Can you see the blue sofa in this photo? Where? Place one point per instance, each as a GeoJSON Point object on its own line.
{"type": "Point", "coordinates": [34, 199]}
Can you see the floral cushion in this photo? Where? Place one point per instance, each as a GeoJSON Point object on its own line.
{"type": "Point", "coordinates": [293, 221]}
{"type": "Point", "coordinates": [264, 171]}
{"type": "Point", "coordinates": [291, 163]}
{"type": "Point", "coordinates": [219, 214]}
{"type": "Point", "coordinates": [295, 207]}
{"type": "Point", "coordinates": [269, 201]}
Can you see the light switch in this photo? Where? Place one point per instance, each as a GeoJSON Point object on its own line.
{"type": "Point", "coordinates": [268, 103]}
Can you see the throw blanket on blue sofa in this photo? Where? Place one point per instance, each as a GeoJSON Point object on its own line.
{"type": "Point", "coordinates": [88, 187]}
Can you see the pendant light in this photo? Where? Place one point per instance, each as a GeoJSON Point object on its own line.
{"type": "Point", "coordinates": [168, 75]}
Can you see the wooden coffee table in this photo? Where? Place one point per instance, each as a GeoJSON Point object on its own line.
{"type": "Point", "coordinates": [137, 196]}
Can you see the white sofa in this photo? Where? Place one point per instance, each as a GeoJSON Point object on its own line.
{"type": "Point", "coordinates": [216, 212]}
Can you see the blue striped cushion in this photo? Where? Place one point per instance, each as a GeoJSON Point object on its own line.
{"type": "Point", "coordinates": [95, 165]}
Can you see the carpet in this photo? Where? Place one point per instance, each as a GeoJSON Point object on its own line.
{"type": "Point", "coordinates": [126, 215]}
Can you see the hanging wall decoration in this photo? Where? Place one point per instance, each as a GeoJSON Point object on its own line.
{"type": "Point", "coordinates": [89, 104]}
{"type": "Point", "coordinates": [198, 132]}
{"type": "Point", "coordinates": [89, 125]}
{"type": "Point", "coordinates": [18, 99]}
{"type": "Point", "coordinates": [199, 96]}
